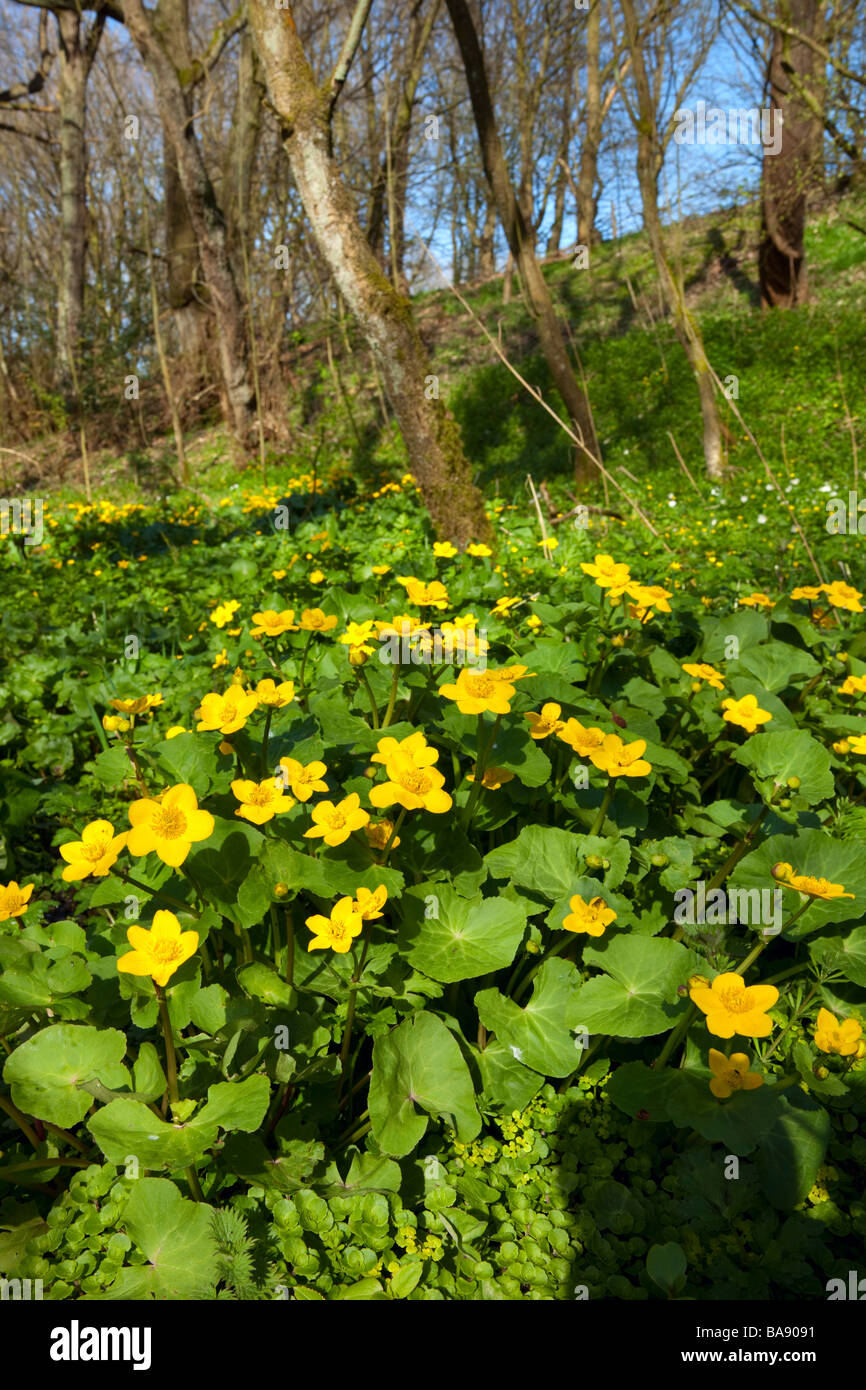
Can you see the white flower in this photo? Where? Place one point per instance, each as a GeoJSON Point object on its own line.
{"type": "Point", "coordinates": [744, 497]}
{"type": "Point", "coordinates": [761, 519]}
{"type": "Point", "coordinates": [826, 487]}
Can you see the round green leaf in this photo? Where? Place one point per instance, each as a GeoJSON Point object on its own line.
{"type": "Point", "coordinates": [44, 1072]}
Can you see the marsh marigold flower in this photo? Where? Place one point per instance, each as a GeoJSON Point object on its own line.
{"type": "Point", "coordinates": [160, 951]}
{"type": "Point", "coordinates": [224, 612]}
{"type": "Point", "coordinates": [370, 904]}
{"type": "Point", "coordinates": [228, 712]}
{"type": "Point", "coordinates": [584, 741]}
{"type": "Point", "coordinates": [478, 549]}
{"type": "Point", "coordinates": [591, 917]}
{"type": "Point", "coordinates": [833, 1036]}
{"type": "Point", "coordinates": [169, 825]}
{"type": "Point", "coordinates": [261, 801]}
{"type": "Point", "coordinates": [546, 723]}
{"type": "Point", "coordinates": [852, 685]}
{"type": "Point", "coordinates": [731, 1074]}
{"type": "Point", "coordinates": [337, 931]}
{"type": "Point", "coordinates": [94, 853]}
{"type": "Point", "coordinates": [620, 759]}
{"type": "Point", "coordinates": [302, 780]}
{"type": "Point", "coordinates": [841, 595]}
{"type": "Point", "coordinates": [857, 744]}
{"type": "Point", "coordinates": [433, 595]}
{"type": "Point", "coordinates": [494, 778]}
{"type": "Point", "coordinates": [700, 671]}
{"type": "Point", "coordinates": [270, 623]}
{"type": "Point", "coordinates": [806, 591]}
{"type": "Point", "coordinates": [412, 786]}
{"type": "Point", "coordinates": [811, 887]}
{"type": "Point", "coordinates": [357, 639]}
{"type": "Point", "coordinates": [379, 834]}
{"type": "Point", "coordinates": [607, 572]}
{"type": "Point", "coordinates": [444, 550]}
{"type": "Point", "coordinates": [268, 693]}
{"type": "Point", "coordinates": [334, 824]}
{"type": "Point", "coordinates": [745, 713]}
{"type": "Point", "coordinates": [476, 692]}
{"type": "Point", "coordinates": [14, 900]}
{"type": "Point", "coordinates": [314, 620]}
{"type": "Point", "coordinates": [732, 1006]}
{"type": "Point", "coordinates": [414, 745]}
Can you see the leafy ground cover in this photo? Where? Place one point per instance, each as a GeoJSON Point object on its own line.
{"type": "Point", "coordinates": [379, 921]}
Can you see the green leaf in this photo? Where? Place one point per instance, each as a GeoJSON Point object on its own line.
{"type": "Point", "coordinates": [638, 997]}
{"type": "Point", "coordinates": [175, 1236]}
{"type": "Point", "coordinates": [774, 757]}
{"type": "Point", "coordinates": [516, 750]}
{"type": "Point", "coordinates": [220, 865]}
{"type": "Point", "coordinates": [540, 1035]}
{"type": "Point", "coordinates": [776, 664]}
{"type": "Point", "coordinates": [845, 953]}
{"type": "Point", "coordinates": [666, 1265]}
{"type": "Point", "coordinates": [127, 1127]}
{"type": "Point", "coordinates": [147, 1075]}
{"type": "Point", "coordinates": [419, 1063]}
{"type": "Point", "coordinates": [44, 1072]}
{"type": "Point", "coordinates": [189, 758]}
{"type": "Point", "coordinates": [507, 1083]}
{"type": "Point", "coordinates": [542, 859]}
{"type": "Point", "coordinates": [453, 938]}
{"type": "Point", "coordinates": [793, 1151]}
{"type": "Point", "coordinates": [259, 981]}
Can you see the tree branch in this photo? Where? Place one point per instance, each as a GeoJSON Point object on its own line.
{"type": "Point", "coordinates": [347, 53]}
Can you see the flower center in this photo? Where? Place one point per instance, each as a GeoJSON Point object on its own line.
{"type": "Point", "coordinates": [94, 852]}
{"type": "Point", "coordinates": [480, 686]}
{"type": "Point", "coordinates": [415, 781]}
{"type": "Point", "coordinates": [164, 950]}
{"type": "Point", "coordinates": [261, 796]}
{"type": "Point", "coordinates": [736, 1001]}
{"type": "Point", "coordinates": [336, 820]}
{"type": "Point", "coordinates": [169, 823]}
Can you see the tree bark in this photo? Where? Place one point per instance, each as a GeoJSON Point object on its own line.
{"type": "Point", "coordinates": [649, 161]}
{"type": "Point", "coordinates": [518, 234]}
{"type": "Point", "coordinates": [430, 432]}
{"type": "Point", "coordinates": [77, 51]}
{"type": "Point", "coordinates": [788, 177]}
{"type": "Point", "coordinates": [205, 217]}
{"type": "Point", "coordinates": [587, 205]}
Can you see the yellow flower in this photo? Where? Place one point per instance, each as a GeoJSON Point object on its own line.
{"type": "Point", "coordinates": [647, 597]}
{"type": "Point", "coordinates": [746, 713]}
{"type": "Point", "coordinates": [276, 696]}
{"type": "Point", "coordinates": [115, 724]}
{"type": "Point", "coordinates": [731, 1074]}
{"type": "Point", "coordinates": [700, 671]}
{"type": "Point", "coordinates": [410, 785]}
{"type": "Point", "coordinates": [314, 620]}
{"type": "Point", "coordinates": [370, 904]}
{"type": "Point", "coordinates": [494, 777]}
{"type": "Point", "coordinates": [732, 1007]}
{"type": "Point", "coordinates": [338, 930]}
{"type": "Point", "coordinates": [415, 745]}
{"type": "Point", "coordinates": [444, 550]}
{"type": "Point", "coordinates": [433, 595]}
{"type": "Point", "coordinates": [545, 723]}
{"type": "Point", "coordinates": [852, 685]}
{"type": "Point", "coordinates": [228, 712]}
{"type": "Point", "coordinates": [379, 834]}
{"type": "Point", "coordinates": [224, 612]}
{"type": "Point", "coordinates": [812, 887]}
{"type": "Point", "coordinates": [591, 917]}
{"type": "Point", "coordinates": [380, 569]}
{"type": "Point", "coordinates": [620, 759]}
{"type": "Point", "coordinates": [584, 741]}
{"type": "Point", "coordinates": [858, 744]}
{"type": "Point", "coordinates": [174, 731]}
{"type": "Point", "coordinates": [14, 900]}
{"type": "Point", "coordinates": [261, 801]}
{"type": "Point", "coordinates": [549, 543]}
{"type": "Point", "coordinates": [843, 596]}
{"type": "Point", "coordinates": [356, 638]}
{"type": "Point", "coordinates": [279, 574]}
{"type": "Point", "coordinates": [168, 826]}
{"type": "Point", "coordinates": [807, 591]}
{"type": "Point", "coordinates": [304, 780]}
{"type": "Point", "coordinates": [335, 823]}
{"type": "Point", "coordinates": [833, 1036]}
{"type": "Point", "coordinates": [534, 622]}
{"type": "Point", "coordinates": [502, 605]}
{"type": "Point", "coordinates": [222, 659]}
{"type": "Point", "coordinates": [478, 691]}
{"type": "Point", "coordinates": [269, 623]}
{"type": "Point", "coordinates": [607, 573]}
{"type": "Point", "coordinates": [137, 706]}
{"type": "Point", "coordinates": [160, 951]}
{"type": "Point", "coordinates": [94, 853]}
{"type": "Point", "coordinates": [756, 600]}
{"type": "Point", "coordinates": [476, 549]}
{"type": "Point", "coordinates": [316, 577]}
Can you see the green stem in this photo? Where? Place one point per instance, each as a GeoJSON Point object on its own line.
{"type": "Point", "coordinates": [482, 757]}
{"type": "Point", "coordinates": [392, 837]}
{"type": "Point", "coordinates": [362, 677]}
{"type": "Point", "coordinates": [392, 698]}
{"type": "Point", "coordinates": [153, 892]}
{"type": "Point", "coordinates": [15, 1114]}
{"type": "Point", "coordinates": [290, 947]}
{"type": "Point", "coordinates": [304, 656]}
{"type": "Point", "coordinates": [170, 1058]}
{"type": "Point", "coordinates": [603, 809]}
{"type": "Point", "coordinates": [567, 940]}
{"type": "Point", "coordinates": [265, 737]}
{"type": "Point", "coordinates": [350, 1015]}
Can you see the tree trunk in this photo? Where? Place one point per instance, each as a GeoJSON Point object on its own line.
{"type": "Point", "coordinates": [649, 161]}
{"type": "Point", "coordinates": [77, 50]}
{"type": "Point", "coordinates": [520, 240]}
{"type": "Point", "coordinates": [206, 219]}
{"type": "Point", "coordinates": [430, 432]}
{"type": "Point", "coordinates": [587, 204]}
{"type": "Point", "coordinates": [789, 175]}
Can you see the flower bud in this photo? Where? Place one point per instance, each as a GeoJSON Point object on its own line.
{"type": "Point", "coordinates": [793, 783]}
{"type": "Point", "coordinates": [659, 861]}
{"type": "Point", "coordinates": [280, 890]}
